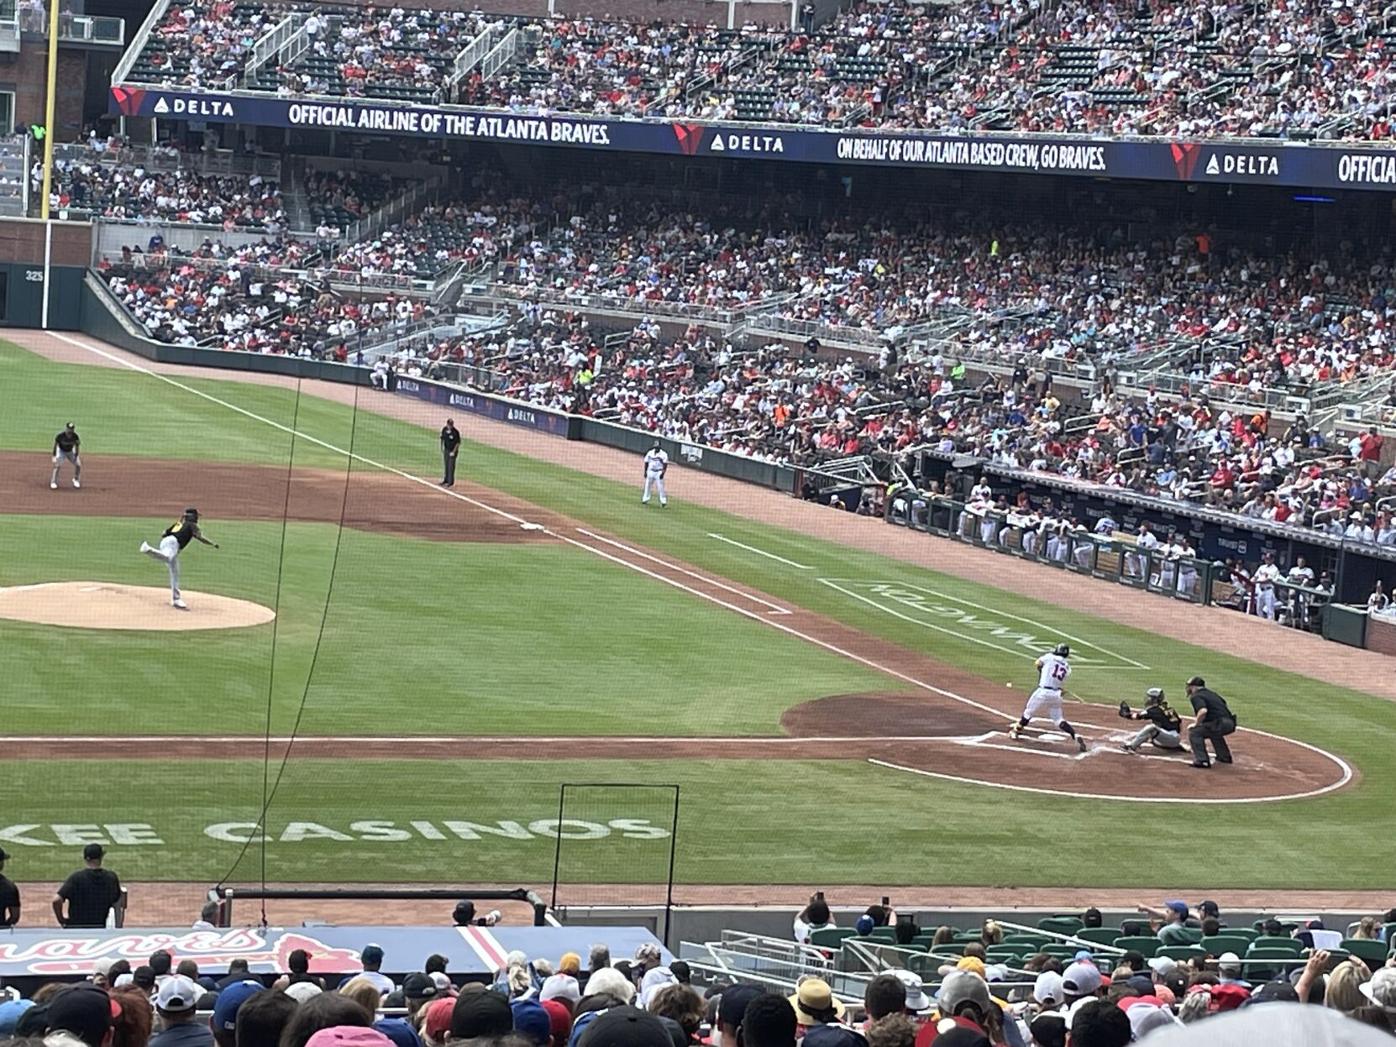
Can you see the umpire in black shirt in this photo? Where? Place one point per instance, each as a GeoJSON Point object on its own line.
{"type": "Point", "coordinates": [9, 896]}
{"type": "Point", "coordinates": [450, 445]}
{"type": "Point", "coordinates": [1214, 722]}
{"type": "Point", "coordinates": [91, 892]}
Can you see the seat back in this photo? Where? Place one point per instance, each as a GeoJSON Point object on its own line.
{"type": "Point", "coordinates": [1146, 945]}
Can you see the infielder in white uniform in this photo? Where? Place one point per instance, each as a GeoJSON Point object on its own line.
{"type": "Point", "coordinates": [172, 543]}
{"type": "Point", "coordinates": [1265, 577]}
{"type": "Point", "coordinates": [656, 465]}
{"type": "Point", "coordinates": [1046, 701]}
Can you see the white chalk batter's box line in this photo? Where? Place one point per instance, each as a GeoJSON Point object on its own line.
{"type": "Point", "coordinates": [897, 592]}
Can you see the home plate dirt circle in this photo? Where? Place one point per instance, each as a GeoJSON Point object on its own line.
{"type": "Point", "coordinates": [110, 605]}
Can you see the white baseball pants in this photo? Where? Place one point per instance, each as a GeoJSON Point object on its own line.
{"type": "Point", "coordinates": [1046, 703]}
{"type": "Point", "coordinates": [655, 483]}
{"type": "Point", "coordinates": [168, 554]}
{"type": "Point", "coordinates": [1265, 601]}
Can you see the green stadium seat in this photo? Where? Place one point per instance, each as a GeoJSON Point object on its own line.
{"type": "Point", "coordinates": [1222, 943]}
{"type": "Point", "coordinates": [1062, 952]}
{"type": "Point", "coordinates": [884, 934]}
{"type": "Point", "coordinates": [1060, 924]}
{"type": "Point", "coordinates": [1372, 953]}
{"type": "Point", "coordinates": [1248, 933]}
{"type": "Point", "coordinates": [1181, 952]}
{"type": "Point", "coordinates": [1098, 935]}
{"type": "Point", "coordinates": [1388, 932]}
{"type": "Point", "coordinates": [1294, 945]}
{"type": "Point", "coordinates": [1255, 972]}
{"type": "Point", "coordinates": [829, 937]}
{"type": "Point", "coordinates": [964, 937]}
{"type": "Point", "coordinates": [1034, 940]}
{"type": "Point", "coordinates": [1146, 944]}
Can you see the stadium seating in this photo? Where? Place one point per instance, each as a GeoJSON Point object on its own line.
{"type": "Point", "coordinates": [1082, 66]}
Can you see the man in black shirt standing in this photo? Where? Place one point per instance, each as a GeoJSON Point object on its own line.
{"type": "Point", "coordinates": [9, 896]}
{"type": "Point", "coordinates": [66, 448]}
{"type": "Point", "coordinates": [1214, 721]}
{"type": "Point", "coordinates": [90, 892]}
{"type": "Point", "coordinates": [450, 444]}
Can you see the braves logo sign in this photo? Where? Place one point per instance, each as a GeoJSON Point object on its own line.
{"type": "Point", "coordinates": [128, 99]}
{"type": "Point", "coordinates": [211, 948]}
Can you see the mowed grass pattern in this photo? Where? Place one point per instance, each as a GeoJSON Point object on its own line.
{"type": "Point", "coordinates": [536, 638]}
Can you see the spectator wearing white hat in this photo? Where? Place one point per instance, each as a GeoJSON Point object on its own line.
{"type": "Point", "coordinates": [175, 1003]}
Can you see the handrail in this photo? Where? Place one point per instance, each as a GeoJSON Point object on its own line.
{"type": "Point", "coordinates": [501, 54]}
{"type": "Point", "coordinates": [471, 55]}
{"type": "Point", "coordinates": [123, 68]}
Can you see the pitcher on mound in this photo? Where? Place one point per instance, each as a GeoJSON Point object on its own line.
{"type": "Point", "coordinates": [1046, 701]}
{"type": "Point", "coordinates": [172, 543]}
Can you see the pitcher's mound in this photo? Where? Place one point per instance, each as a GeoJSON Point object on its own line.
{"type": "Point", "coordinates": [108, 605]}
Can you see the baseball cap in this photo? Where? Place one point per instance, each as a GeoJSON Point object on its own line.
{"type": "Point", "coordinates": [83, 1010]}
{"type": "Point", "coordinates": [626, 1027]}
{"type": "Point", "coordinates": [1146, 1017]}
{"type": "Point", "coordinates": [10, 1013]}
{"type": "Point", "coordinates": [560, 987]}
{"type": "Point", "coordinates": [1229, 961]}
{"type": "Point", "coordinates": [1381, 990]}
{"type": "Point", "coordinates": [398, 1032]}
{"type": "Point", "coordinates": [1162, 965]}
{"type": "Point", "coordinates": [348, 1036]}
{"type": "Point", "coordinates": [177, 995]}
{"type": "Point", "coordinates": [92, 852]}
{"type": "Point", "coordinates": [418, 986]}
{"type": "Point", "coordinates": [1081, 979]}
{"type": "Point", "coordinates": [1274, 992]}
{"type": "Point", "coordinates": [732, 1004]}
{"type": "Point", "coordinates": [531, 1021]}
{"type": "Point", "coordinates": [1174, 904]}
{"type": "Point", "coordinates": [864, 925]}
{"type": "Point", "coordinates": [834, 1036]}
{"type": "Point", "coordinates": [559, 1019]}
{"type": "Point", "coordinates": [1196, 681]}
{"type": "Point", "coordinates": [437, 1022]}
{"type": "Point", "coordinates": [481, 1014]}
{"type": "Point", "coordinates": [569, 963]}
{"type": "Point", "coordinates": [961, 987]}
{"type": "Point", "coordinates": [1048, 987]}
{"type": "Point", "coordinates": [973, 964]}
{"type": "Point", "coordinates": [371, 954]}
{"type": "Point", "coordinates": [225, 1011]}
{"type": "Point", "coordinates": [302, 991]}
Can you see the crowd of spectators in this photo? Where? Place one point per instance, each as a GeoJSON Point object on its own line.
{"type": "Point", "coordinates": [108, 190]}
{"type": "Point", "coordinates": [1192, 67]}
{"type": "Point", "coordinates": [1298, 983]}
{"type": "Point", "coordinates": [257, 297]}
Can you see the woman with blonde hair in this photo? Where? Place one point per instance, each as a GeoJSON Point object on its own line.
{"type": "Point", "coordinates": [991, 934]}
{"type": "Point", "coordinates": [1343, 992]}
{"type": "Point", "coordinates": [1366, 929]}
{"type": "Point", "coordinates": [363, 992]}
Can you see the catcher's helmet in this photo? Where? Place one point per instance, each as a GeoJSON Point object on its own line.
{"type": "Point", "coordinates": [1062, 649]}
{"type": "Point", "coordinates": [1154, 695]}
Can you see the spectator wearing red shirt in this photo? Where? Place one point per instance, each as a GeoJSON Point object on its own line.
{"type": "Point", "coordinates": [1370, 451]}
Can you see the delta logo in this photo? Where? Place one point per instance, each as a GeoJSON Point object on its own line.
{"type": "Point", "coordinates": [746, 143]}
{"type": "Point", "coordinates": [128, 99]}
{"type": "Point", "coordinates": [195, 107]}
{"type": "Point", "coordinates": [1252, 165]}
{"type": "Point", "coordinates": [689, 136]}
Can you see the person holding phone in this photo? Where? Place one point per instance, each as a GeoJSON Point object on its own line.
{"type": "Point", "coordinates": [813, 917]}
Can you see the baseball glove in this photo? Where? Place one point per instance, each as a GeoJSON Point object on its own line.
{"type": "Point", "coordinates": [1124, 711]}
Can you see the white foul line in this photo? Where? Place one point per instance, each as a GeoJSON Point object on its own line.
{"type": "Point", "coordinates": [760, 552]}
{"type": "Point", "coordinates": [1347, 772]}
{"type": "Point", "coordinates": [774, 608]}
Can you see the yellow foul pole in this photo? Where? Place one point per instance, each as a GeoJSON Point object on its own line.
{"type": "Point", "coordinates": [49, 104]}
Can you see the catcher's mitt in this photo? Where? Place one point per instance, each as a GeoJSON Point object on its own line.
{"type": "Point", "coordinates": [1124, 711]}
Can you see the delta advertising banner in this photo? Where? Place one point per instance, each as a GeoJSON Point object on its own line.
{"type": "Point", "coordinates": [1297, 165]}
{"type": "Point", "coordinates": [499, 409]}
{"type": "Point", "coordinates": [333, 950]}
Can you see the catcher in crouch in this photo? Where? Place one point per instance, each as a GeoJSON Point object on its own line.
{"type": "Point", "coordinates": [1164, 730]}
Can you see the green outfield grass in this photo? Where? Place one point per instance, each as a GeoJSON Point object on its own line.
{"type": "Point", "coordinates": [435, 638]}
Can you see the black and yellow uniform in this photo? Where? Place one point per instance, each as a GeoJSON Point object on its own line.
{"type": "Point", "coordinates": [182, 531]}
